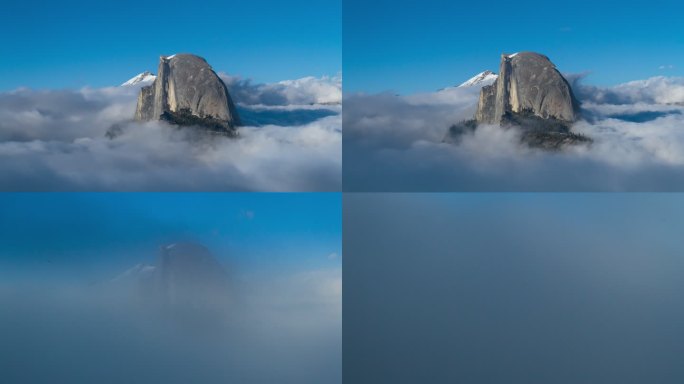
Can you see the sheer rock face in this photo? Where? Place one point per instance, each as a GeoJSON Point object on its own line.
{"type": "Point", "coordinates": [188, 92]}
{"type": "Point", "coordinates": [527, 82]}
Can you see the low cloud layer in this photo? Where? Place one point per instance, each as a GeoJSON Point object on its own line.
{"type": "Point", "coordinates": [281, 327]}
{"type": "Point", "coordinates": [395, 143]}
{"type": "Point", "coordinates": [56, 140]}
{"type": "Point", "coordinates": [307, 90]}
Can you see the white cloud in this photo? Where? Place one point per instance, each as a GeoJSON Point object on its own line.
{"type": "Point", "coordinates": [311, 90]}
{"type": "Point", "coordinates": [656, 90]}
{"type": "Point", "coordinates": [55, 140]}
{"type": "Point", "coordinates": [304, 91]}
{"type": "Point", "coordinates": [394, 143]}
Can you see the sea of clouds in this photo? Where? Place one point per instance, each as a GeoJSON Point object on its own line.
{"type": "Point", "coordinates": [283, 327]}
{"type": "Point", "coordinates": [56, 140]}
{"type": "Point", "coordinates": [394, 143]}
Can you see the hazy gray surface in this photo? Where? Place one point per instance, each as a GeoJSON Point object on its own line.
{"type": "Point", "coordinates": [524, 288]}
{"type": "Point", "coordinates": [274, 328]}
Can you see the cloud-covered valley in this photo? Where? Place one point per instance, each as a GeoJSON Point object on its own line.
{"type": "Point", "coordinates": [395, 143]}
{"type": "Point", "coordinates": [57, 140]}
{"type": "Point", "coordinates": [268, 327]}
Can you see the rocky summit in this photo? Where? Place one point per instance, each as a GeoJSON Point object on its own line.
{"type": "Point", "coordinates": [530, 94]}
{"type": "Point", "coordinates": [527, 82]}
{"type": "Point", "coordinates": [188, 92]}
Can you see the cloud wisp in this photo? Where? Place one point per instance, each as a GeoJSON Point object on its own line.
{"type": "Point", "coordinates": [304, 91]}
{"type": "Point", "coordinates": [395, 143]}
{"type": "Point", "coordinates": [56, 140]}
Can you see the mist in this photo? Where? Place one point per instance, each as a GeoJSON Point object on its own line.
{"type": "Point", "coordinates": [265, 328]}
{"type": "Point", "coordinates": [517, 288]}
{"type": "Point", "coordinates": [170, 288]}
{"type": "Point", "coordinates": [395, 143]}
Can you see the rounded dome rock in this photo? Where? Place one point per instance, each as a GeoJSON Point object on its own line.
{"type": "Point", "coordinates": [528, 82]}
{"type": "Point", "coordinates": [187, 91]}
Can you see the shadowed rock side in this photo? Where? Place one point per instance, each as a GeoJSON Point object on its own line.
{"type": "Point", "coordinates": [529, 94]}
{"type": "Point", "coordinates": [188, 92]}
{"type": "Point", "coordinates": [527, 82]}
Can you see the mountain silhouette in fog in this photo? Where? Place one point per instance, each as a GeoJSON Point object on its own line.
{"type": "Point", "coordinates": [184, 274]}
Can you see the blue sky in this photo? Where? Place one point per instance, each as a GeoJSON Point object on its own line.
{"type": "Point", "coordinates": [118, 230]}
{"type": "Point", "coordinates": [74, 43]}
{"type": "Point", "coordinates": [414, 46]}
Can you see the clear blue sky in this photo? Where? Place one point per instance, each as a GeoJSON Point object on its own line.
{"type": "Point", "coordinates": [74, 43]}
{"type": "Point", "coordinates": [63, 230]}
{"type": "Point", "coordinates": [412, 45]}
